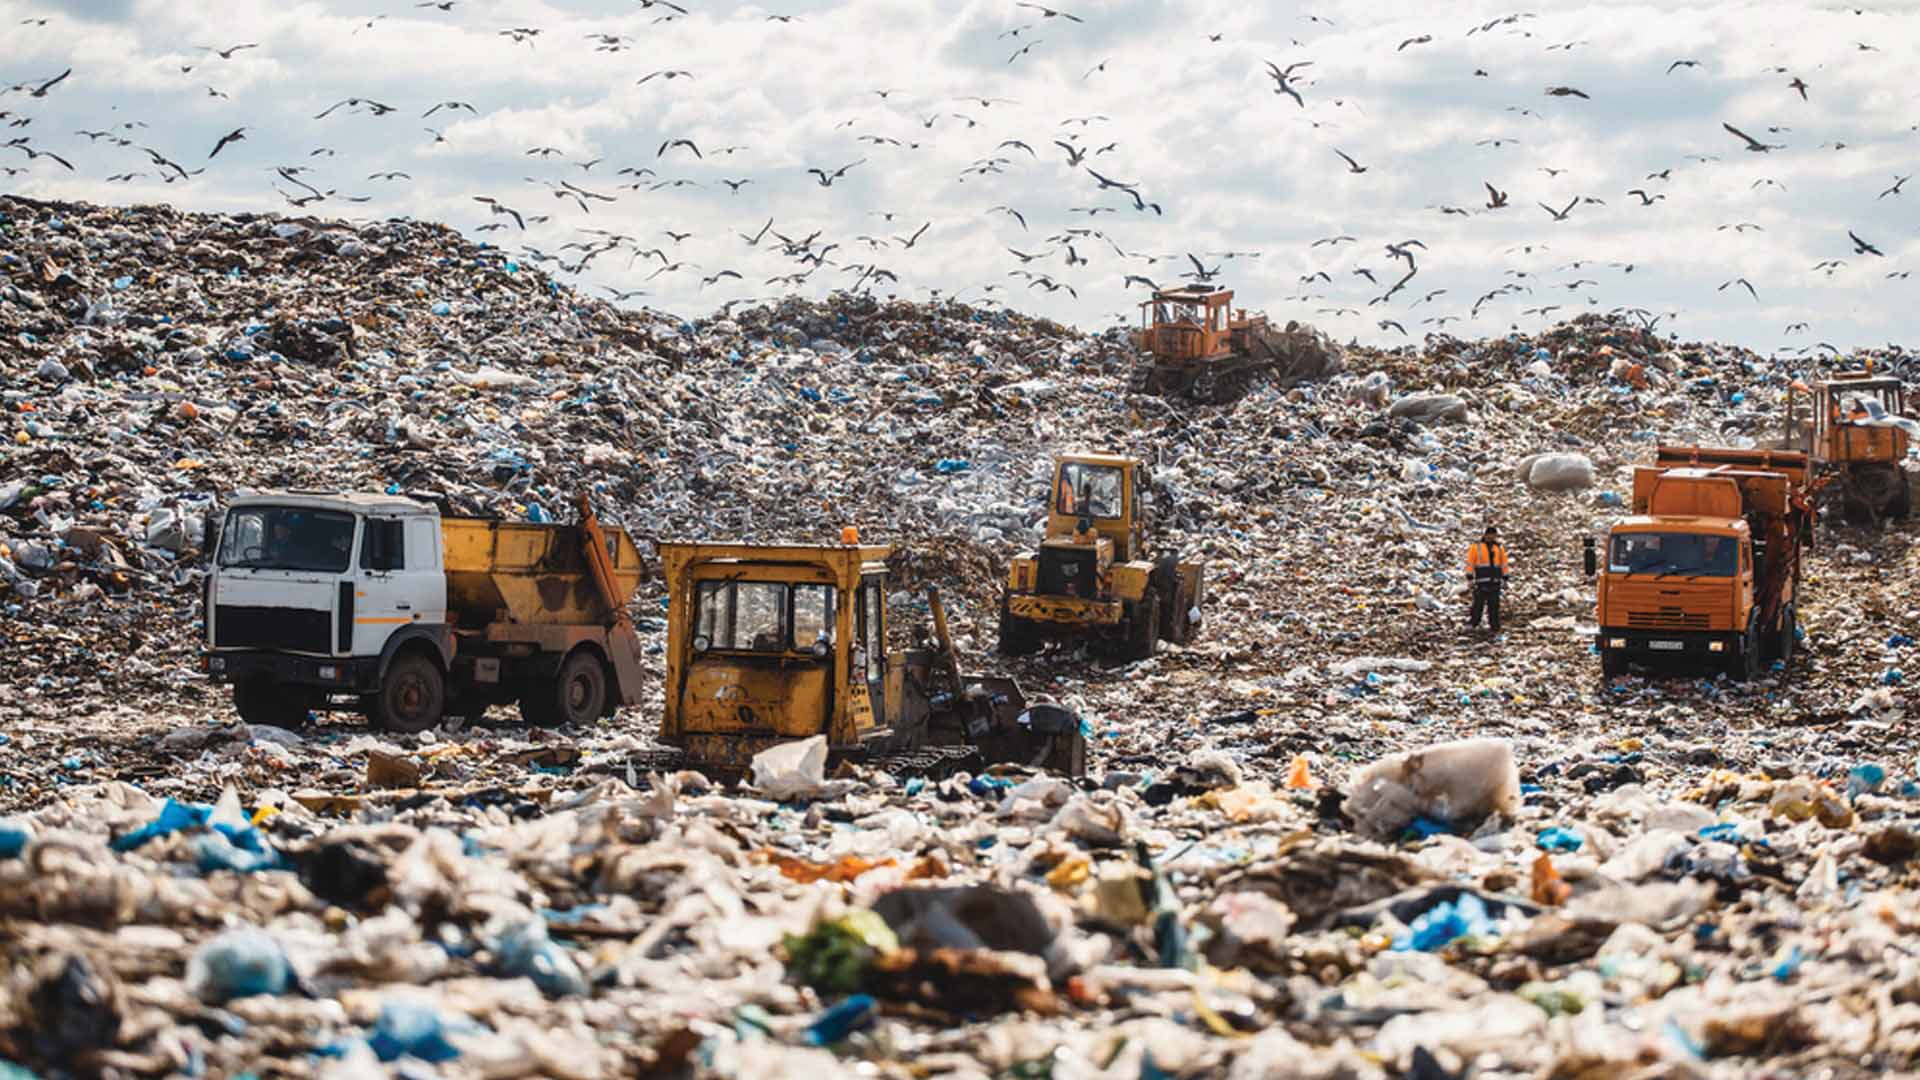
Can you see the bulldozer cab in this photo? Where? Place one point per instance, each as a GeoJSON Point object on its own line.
{"type": "Point", "coordinates": [1190, 323]}
{"type": "Point", "coordinates": [773, 642]}
{"type": "Point", "coordinates": [1845, 419]}
{"type": "Point", "coordinates": [1095, 497]}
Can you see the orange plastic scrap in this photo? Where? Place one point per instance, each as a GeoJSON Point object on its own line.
{"type": "Point", "coordinates": [1548, 888]}
{"type": "Point", "coordinates": [842, 870]}
{"type": "Point", "coordinates": [1300, 775]}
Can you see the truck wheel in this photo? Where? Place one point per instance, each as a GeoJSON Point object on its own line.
{"type": "Point", "coordinates": [1143, 629]}
{"type": "Point", "coordinates": [1017, 635]}
{"type": "Point", "coordinates": [1613, 663]}
{"type": "Point", "coordinates": [412, 697]}
{"type": "Point", "coordinates": [578, 695]}
{"type": "Point", "coordinates": [265, 702]}
{"type": "Point", "coordinates": [1744, 664]}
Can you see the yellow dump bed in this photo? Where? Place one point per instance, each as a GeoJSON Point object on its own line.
{"type": "Point", "coordinates": [521, 572]}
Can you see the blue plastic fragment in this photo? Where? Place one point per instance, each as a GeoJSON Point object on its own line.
{"type": "Point", "coordinates": [1444, 923]}
{"type": "Point", "coordinates": [1557, 838]}
{"type": "Point", "coordinates": [415, 1029]}
{"type": "Point", "coordinates": [840, 1021]}
{"type": "Point", "coordinates": [1790, 966]}
{"type": "Point", "coordinates": [1423, 827]}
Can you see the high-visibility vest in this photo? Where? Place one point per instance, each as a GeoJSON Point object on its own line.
{"type": "Point", "coordinates": [1487, 560]}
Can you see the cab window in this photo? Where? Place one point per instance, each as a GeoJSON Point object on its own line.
{"type": "Point", "coordinates": [1089, 490]}
{"type": "Point", "coordinates": [763, 616]}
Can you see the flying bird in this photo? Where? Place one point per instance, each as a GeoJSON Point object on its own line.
{"type": "Point", "coordinates": [1753, 144]}
{"type": "Point", "coordinates": [1352, 165]}
{"type": "Point", "coordinates": [233, 136]}
{"type": "Point", "coordinates": [449, 105]}
{"type": "Point", "coordinates": [227, 54]}
{"type": "Point", "coordinates": [1861, 247]}
{"type": "Point", "coordinates": [1495, 197]}
{"type": "Point", "coordinates": [827, 178]}
{"type": "Point", "coordinates": [671, 143]}
{"type": "Point", "coordinates": [1646, 199]}
{"type": "Point", "coordinates": [1800, 85]}
{"type": "Point", "coordinates": [1739, 281]}
{"type": "Point", "coordinates": [1024, 50]}
{"type": "Point", "coordinates": [668, 75]}
{"type": "Point", "coordinates": [1898, 183]}
{"type": "Point", "coordinates": [1561, 215]}
{"type": "Point", "coordinates": [1280, 77]}
{"type": "Point", "coordinates": [1681, 64]}
{"type": "Point", "coordinates": [1048, 13]}
{"type": "Point", "coordinates": [1566, 91]}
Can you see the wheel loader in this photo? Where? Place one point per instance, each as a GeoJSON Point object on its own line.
{"type": "Point", "coordinates": [1091, 578]}
{"type": "Point", "coordinates": [772, 643]}
{"type": "Point", "coordinates": [1857, 430]}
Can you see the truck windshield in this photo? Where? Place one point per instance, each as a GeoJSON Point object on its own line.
{"type": "Point", "coordinates": [1674, 554]}
{"type": "Point", "coordinates": [286, 538]}
{"type": "Point", "coordinates": [1089, 490]}
{"type": "Point", "coordinates": [764, 616]}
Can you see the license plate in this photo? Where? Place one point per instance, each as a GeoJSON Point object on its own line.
{"type": "Point", "coordinates": [1667, 646]}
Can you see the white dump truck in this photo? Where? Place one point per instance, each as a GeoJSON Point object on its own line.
{"type": "Point", "coordinates": [381, 604]}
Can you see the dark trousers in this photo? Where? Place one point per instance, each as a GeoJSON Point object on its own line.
{"type": "Point", "coordinates": [1485, 598]}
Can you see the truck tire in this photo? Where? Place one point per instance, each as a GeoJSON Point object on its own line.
{"type": "Point", "coordinates": [1143, 629]}
{"type": "Point", "coordinates": [412, 697]}
{"type": "Point", "coordinates": [1743, 664]}
{"type": "Point", "coordinates": [577, 695]}
{"type": "Point", "coordinates": [1613, 663]}
{"type": "Point", "coordinates": [265, 702]}
{"type": "Point", "coordinates": [1018, 636]}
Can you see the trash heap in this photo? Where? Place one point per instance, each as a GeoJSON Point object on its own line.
{"type": "Point", "coordinates": [1334, 836]}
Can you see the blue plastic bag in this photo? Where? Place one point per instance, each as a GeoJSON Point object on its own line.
{"type": "Point", "coordinates": [840, 1021]}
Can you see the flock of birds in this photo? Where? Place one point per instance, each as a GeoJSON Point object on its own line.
{"type": "Point", "coordinates": [859, 263]}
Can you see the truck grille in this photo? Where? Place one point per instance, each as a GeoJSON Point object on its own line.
{"type": "Point", "coordinates": [1069, 573]}
{"type": "Point", "coordinates": [1665, 619]}
{"type": "Point", "coordinates": [293, 629]}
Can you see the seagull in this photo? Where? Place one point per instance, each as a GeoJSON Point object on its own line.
{"type": "Point", "coordinates": [1861, 247]}
{"type": "Point", "coordinates": [227, 54]}
{"type": "Point", "coordinates": [1011, 212]}
{"type": "Point", "coordinates": [1075, 155]}
{"type": "Point", "coordinates": [1352, 165]}
{"type": "Point", "coordinates": [827, 178]}
{"type": "Point", "coordinates": [233, 136]}
{"type": "Point", "coordinates": [1645, 199]}
{"type": "Point", "coordinates": [911, 240]}
{"type": "Point", "coordinates": [1048, 13]}
{"type": "Point", "coordinates": [671, 143]}
{"type": "Point", "coordinates": [1025, 49]}
{"type": "Point", "coordinates": [1495, 197]}
{"type": "Point", "coordinates": [1561, 215]}
{"type": "Point", "coordinates": [1798, 84]}
{"type": "Point", "coordinates": [1280, 77]}
{"type": "Point", "coordinates": [1753, 144]}
{"type": "Point", "coordinates": [1566, 91]}
{"type": "Point", "coordinates": [41, 90]}
{"type": "Point", "coordinates": [377, 108]}
{"type": "Point", "coordinates": [669, 75]}
{"type": "Point", "coordinates": [1681, 64]}
{"type": "Point", "coordinates": [449, 105]}
{"type": "Point", "coordinates": [1421, 40]}
{"type": "Point", "coordinates": [1128, 281]}
{"type": "Point", "coordinates": [1389, 324]}
{"type": "Point", "coordinates": [1332, 240]}
{"type": "Point", "coordinates": [1898, 182]}
{"type": "Point", "coordinates": [1739, 281]}
{"type": "Point", "coordinates": [735, 185]}
{"type": "Point", "coordinates": [714, 278]}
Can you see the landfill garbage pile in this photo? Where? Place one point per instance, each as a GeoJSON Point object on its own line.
{"type": "Point", "coordinates": [1334, 835]}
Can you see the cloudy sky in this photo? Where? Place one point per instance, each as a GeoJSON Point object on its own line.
{"type": "Point", "coordinates": [1432, 106]}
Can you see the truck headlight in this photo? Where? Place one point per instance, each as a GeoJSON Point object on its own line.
{"type": "Point", "coordinates": [1716, 646]}
{"type": "Point", "coordinates": [702, 643]}
{"type": "Point", "coordinates": [329, 672]}
{"type": "Point", "coordinates": [1616, 643]}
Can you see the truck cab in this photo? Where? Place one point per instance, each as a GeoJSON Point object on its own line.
{"type": "Point", "coordinates": [312, 593]}
{"type": "Point", "coordinates": [1705, 572]}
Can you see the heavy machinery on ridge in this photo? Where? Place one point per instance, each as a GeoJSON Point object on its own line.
{"type": "Point", "coordinates": [768, 643]}
{"type": "Point", "coordinates": [1706, 571]}
{"type": "Point", "coordinates": [1092, 577]}
{"type": "Point", "coordinates": [1202, 347]}
{"type": "Point", "coordinates": [1856, 430]}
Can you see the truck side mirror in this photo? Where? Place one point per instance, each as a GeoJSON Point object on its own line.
{"type": "Point", "coordinates": [1592, 558]}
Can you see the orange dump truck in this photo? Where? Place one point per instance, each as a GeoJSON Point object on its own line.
{"type": "Point", "coordinates": [1706, 572]}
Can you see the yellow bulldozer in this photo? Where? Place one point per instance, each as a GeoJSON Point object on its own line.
{"type": "Point", "coordinates": [1092, 578]}
{"type": "Point", "coordinates": [768, 643]}
{"type": "Point", "coordinates": [1856, 428]}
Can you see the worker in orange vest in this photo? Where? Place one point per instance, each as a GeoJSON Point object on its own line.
{"type": "Point", "coordinates": [1487, 566]}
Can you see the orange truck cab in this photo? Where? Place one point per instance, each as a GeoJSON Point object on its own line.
{"type": "Point", "coordinates": [1706, 571]}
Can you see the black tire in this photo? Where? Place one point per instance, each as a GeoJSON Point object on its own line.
{"type": "Point", "coordinates": [1018, 636]}
{"type": "Point", "coordinates": [1613, 663]}
{"type": "Point", "coordinates": [412, 698]}
{"type": "Point", "coordinates": [1143, 628]}
{"type": "Point", "coordinates": [265, 702]}
{"type": "Point", "coordinates": [579, 693]}
{"type": "Point", "coordinates": [1902, 506]}
{"type": "Point", "coordinates": [1744, 664]}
